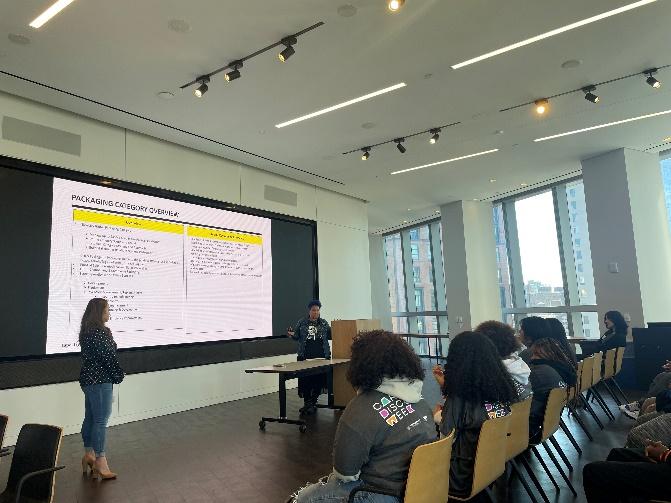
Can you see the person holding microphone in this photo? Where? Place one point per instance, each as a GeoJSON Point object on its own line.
{"type": "Point", "coordinates": [313, 334]}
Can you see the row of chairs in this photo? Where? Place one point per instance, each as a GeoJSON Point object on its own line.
{"type": "Point", "coordinates": [32, 473]}
{"type": "Point", "coordinates": [503, 442]}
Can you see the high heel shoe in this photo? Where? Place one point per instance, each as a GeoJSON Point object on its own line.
{"type": "Point", "coordinates": [98, 475]}
{"type": "Point", "coordinates": [87, 464]}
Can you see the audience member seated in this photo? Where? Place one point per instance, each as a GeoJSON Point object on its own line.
{"type": "Point", "coordinates": [380, 427]}
{"type": "Point", "coordinates": [550, 368]}
{"type": "Point", "coordinates": [532, 328]}
{"type": "Point", "coordinates": [477, 387]}
{"type": "Point", "coordinates": [629, 473]}
{"type": "Point", "coordinates": [558, 333]}
{"type": "Point", "coordinates": [660, 383]}
{"type": "Point", "coordinates": [507, 345]}
{"type": "Point", "coordinates": [614, 337]}
{"type": "Point", "coordinates": [652, 425]}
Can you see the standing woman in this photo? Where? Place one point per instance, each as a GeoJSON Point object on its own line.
{"type": "Point", "coordinates": [100, 370]}
{"type": "Point", "coordinates": [313, 334]}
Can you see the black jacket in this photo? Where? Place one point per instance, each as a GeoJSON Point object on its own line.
{"type": "Point", "coordinates": [546, 375]}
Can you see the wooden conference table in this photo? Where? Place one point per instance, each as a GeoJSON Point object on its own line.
{"type": "Point", "coordinates": [292, 370]}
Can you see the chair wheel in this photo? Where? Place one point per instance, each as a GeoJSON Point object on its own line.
{"type": "Point", "coordinates": [303, 428]}
{"type": "Point", "coordinates": [262, 425]}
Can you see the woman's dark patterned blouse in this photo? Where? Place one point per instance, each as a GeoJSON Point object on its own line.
{"type": "Point", "coordinates": [99, 359]}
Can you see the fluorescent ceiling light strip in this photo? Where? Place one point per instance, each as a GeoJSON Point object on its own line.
{"type": "Point", "coordinates": [446, 161]}
{"type": "Point", "coordinates": [50, 12]}
{"type": "Point", "coordinates": [600, 126]}
{"type": "Point", "coordinates": [341, 105]}
{"type": "Point", "coordinates": [554, 32]}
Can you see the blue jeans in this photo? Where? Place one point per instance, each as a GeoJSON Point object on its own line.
{"type": "Point", "coordinates": [97, 410]}
{"type": "Point", "coordinates": [337, 491]}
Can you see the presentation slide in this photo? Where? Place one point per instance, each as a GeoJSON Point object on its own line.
{"type": "Point", "coordinates": [173, 272]}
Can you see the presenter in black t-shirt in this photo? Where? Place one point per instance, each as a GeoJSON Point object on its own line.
{"type": "Point", "coordinates": [313, 334]}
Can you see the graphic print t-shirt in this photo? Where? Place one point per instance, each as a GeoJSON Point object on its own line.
{"type": "Point", "coordinates": [377, 434]}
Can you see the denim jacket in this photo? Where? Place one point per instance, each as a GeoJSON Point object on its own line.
{"type": "Point", "coordinates": [301, 335]}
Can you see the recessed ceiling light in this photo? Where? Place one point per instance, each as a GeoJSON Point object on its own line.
{"type": "Point", "coordinates": [165, 95]}
{"type": "Point", "coordinates": [405, 221]}
{"type": "Point", "coordinates": [667, 139]}
{"type": "Point", "coordinates": [524, 184]}
{"type": "Point", "coordinates": [341, 105]}
{"type": "Point", "coordinates": [554, 32]}
{"type": "Point", "coordinates": [18, 39]}
{"type": "Point", "coordinates": [437, 211]}
{"type": "Point", "coordinates": [179, 26]}
{"type": "Point", "coordinates": [55, 8]}
{"type": "Point", "coordinates": [608, 124]}
{"type": "Point", "coordinates": [446, 161]}
{"type": "Point", "coordinates": [492, 180]}
{"type": "Point", "coordinates": [346, 10]}
{"type": "Point", "coordinates": [571, 63]}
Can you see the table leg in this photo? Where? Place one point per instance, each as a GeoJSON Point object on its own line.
{"type": "Point", "coordinates": [283, 408]}
{"type": "Point", "coordinates": [283, 396]}
{"type": "Point", "coordinates": [329, 386]}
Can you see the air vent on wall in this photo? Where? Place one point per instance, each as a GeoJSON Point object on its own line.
{"type": "Point", "coordinates": [37, 135]}
{"type": "Point", "coordinates": [281, 196]}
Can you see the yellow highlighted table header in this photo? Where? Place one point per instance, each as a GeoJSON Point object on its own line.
{"type": "Point", "coordinates": [236, 237]}
{"type": "Point", "coordinates": [124, 221]}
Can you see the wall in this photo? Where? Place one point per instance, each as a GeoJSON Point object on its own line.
{"type": "Point", "coordinates": [607, 201]}
{"type": "Point", "coordinates": [378, 282]}
{"type": "Point", "coordinates": [342, 233]}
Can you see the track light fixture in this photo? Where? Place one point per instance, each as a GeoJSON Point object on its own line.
{"type": "Point", "coordinates": [399, 145]}
{"type": "Point", "coordinates": [232, 70]}
{"type": "Point", "coordinates": [288, 51]}
{"type": "Point", "coordinates": [436, 134]}
{"type": "Point", "coordinates": [589, 94]}
{"type": "Point", "coordinates": [202, 88]}
{"type": "Point", "coordinates": [366, 153]}
{"type": "Point", "coordinates": [235, 73]}
{"type": "Point", "coordinates": [395, 5]}
{"type": "Point", "coordinates": [652, 81]}
{"type": "Point", "coordinates": [542, 106]}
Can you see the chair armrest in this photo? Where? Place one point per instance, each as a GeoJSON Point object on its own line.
{"type": "Point", "coordinates": [33, 474]}
{"type": "Point", "coordinates": [369, 489]}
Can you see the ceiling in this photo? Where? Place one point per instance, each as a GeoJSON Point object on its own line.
{"type": "Point", "coordinates": [122, 53]}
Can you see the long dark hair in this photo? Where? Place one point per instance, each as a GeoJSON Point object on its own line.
{"type": "Point", "coordinates": [549, 349]}
{"type": "Point", "coordinates": [93, 317]}
{"type": "Point", "coordinates": [474, 371]}
{"type": "Point", "coordinates": [534, 328]}
{"type": "Point", "coordinates": [558, 333]}
{"type": "Point", "coordinates": [378, 354]}
{"type": "Point", "coordinates": [618, 320]}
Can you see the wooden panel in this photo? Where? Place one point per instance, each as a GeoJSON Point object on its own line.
{"type": "Point", "coordinates": [342, 333]}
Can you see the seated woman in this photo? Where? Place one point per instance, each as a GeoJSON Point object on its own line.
{"type": "Point", "coordinates": [550, 368]}
{"type": "Point", "coordinates": [507, 345]}
{"type": "Point", "coordinates": [660, 383]}
{"type": "Point", "coordinates": [532, 328]}
{"type": "Point", "coordinates": [477, 387]}
{"type": "Point", "coordinates": [381, 426]}
{"type": "Point", "coordinates": [614, 337]}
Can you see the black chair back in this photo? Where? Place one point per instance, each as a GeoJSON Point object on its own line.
{"type": "Point", "coordinates": [36, 449]}
{"type": "Point", "coordinates": [3, 427]}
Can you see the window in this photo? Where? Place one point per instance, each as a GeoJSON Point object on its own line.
{"type": "Point", "coordinates": [416, 281]}
{"type": "Point", "coordinates": [419, 300]}
{"type": "Point", "coordinates": [544, 257]}
{"type": "Point", "coordinates": [539, 250]}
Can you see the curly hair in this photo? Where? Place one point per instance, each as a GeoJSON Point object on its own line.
{"type": "Point", "coordinates": [618, 320]}
{"type": "Point", "coordinates": [379, 354]}
{"type": "Point", "coordinates": [502, 335]}
{"type": "Point", "coordinates": [474, 371]}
